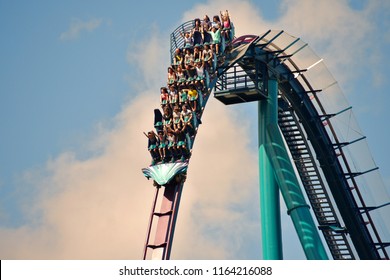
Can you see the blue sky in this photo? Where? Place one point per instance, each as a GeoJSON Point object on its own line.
{"type": "Point", "coordinates": [72, 72]}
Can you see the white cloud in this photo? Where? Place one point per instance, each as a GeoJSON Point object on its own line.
{"type": "Point", "coordinates": [77, 26]}
{"type": "Point", "coordinates": [150, 58]}
{"type": "Point", "coordinates": [220, 192]}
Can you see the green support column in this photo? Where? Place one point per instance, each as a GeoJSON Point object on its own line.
{"type": "Point", "coordinates": [297, 207]}
{"type": "Point", "coordinates": [269, 192]}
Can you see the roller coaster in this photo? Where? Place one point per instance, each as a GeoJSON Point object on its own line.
{"type": "Point", "coordinates": [311, 151]}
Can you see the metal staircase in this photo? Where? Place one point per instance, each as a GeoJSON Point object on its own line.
{"type": "Point", "coordinates": [335, 235]}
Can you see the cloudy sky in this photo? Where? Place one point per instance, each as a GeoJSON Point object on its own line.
{"type": "Point", "coordinates": [78, 84]}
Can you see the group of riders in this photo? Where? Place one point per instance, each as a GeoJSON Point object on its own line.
{"type": "Point", "coordinates": [183, 98]}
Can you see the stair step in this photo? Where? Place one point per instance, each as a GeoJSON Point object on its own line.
{"type": "Point", "coordinates": [159, 214]}
{"type": "Point", "coordinates": [152, 246]}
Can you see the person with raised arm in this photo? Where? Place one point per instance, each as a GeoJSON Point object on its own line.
{"type": "Point", "coordinates": [153, 143]}
{"type": "Point", "coordinates": [226, 26]}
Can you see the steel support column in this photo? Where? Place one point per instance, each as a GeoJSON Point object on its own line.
{"type": "Point", "coordinates": [269, 191]}
{"type": "Point", "coordinates": [286, 178]}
